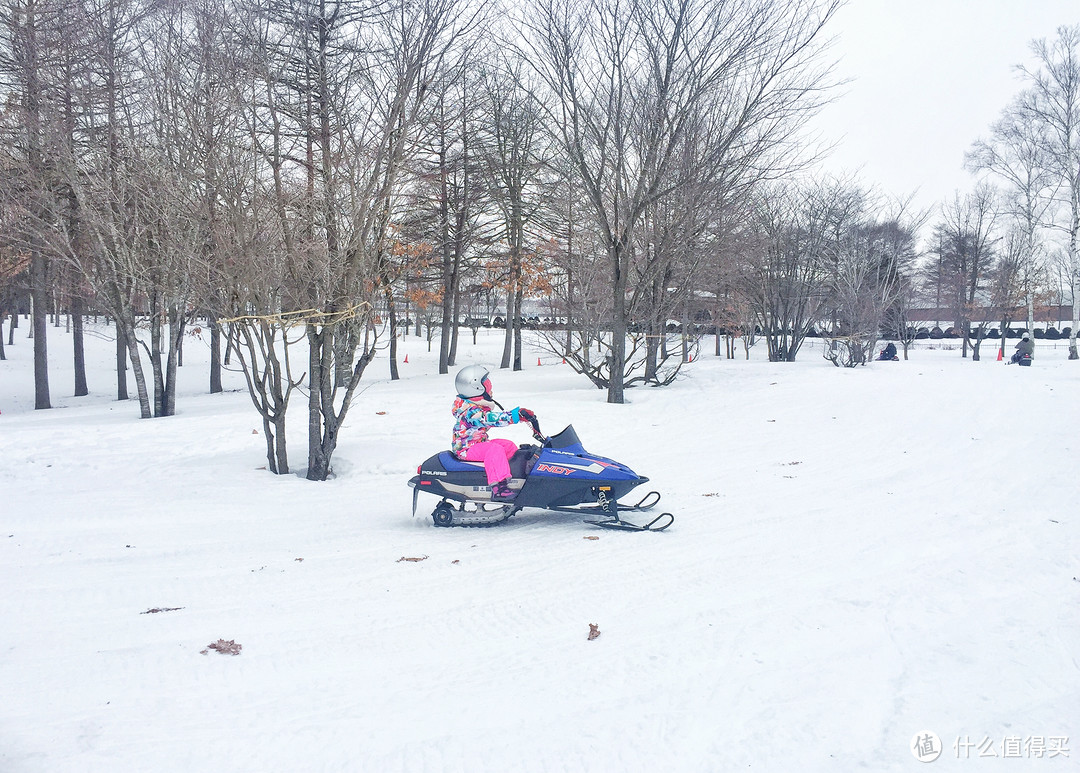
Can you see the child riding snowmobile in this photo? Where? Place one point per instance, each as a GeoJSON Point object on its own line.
{"type": "Point", "coordinates": [558, 475]}
{"type": "Point", "coordinates": [475, 412]}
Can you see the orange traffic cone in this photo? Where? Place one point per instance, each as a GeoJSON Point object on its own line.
{"type": "Point", "coordinates": [538, 362]}
{"type": "Point", "coordinates": [406, 359]}
{"type": "Point", "coordinates": [1001, 354]}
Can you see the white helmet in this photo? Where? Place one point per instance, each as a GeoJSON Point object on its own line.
{"type": "Point", "coordinates": [1027, 336]}
{"type": "Point", "coordinates": [470, 381]}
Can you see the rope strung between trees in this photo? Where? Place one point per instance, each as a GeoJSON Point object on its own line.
{"type": "Point", "coordinates": [302, 316]}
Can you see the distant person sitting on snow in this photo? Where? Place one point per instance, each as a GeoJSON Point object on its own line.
{"type": "Point", "coordinates": [889, 352]}
{"type": "Point", "coordinates": [476, 412]}
{"type": "Point", "coordinates": [1024, 350]}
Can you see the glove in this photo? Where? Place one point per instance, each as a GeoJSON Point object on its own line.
{"type": "Point", "coordinates": [524, 414]}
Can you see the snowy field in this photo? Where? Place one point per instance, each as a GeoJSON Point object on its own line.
{"type": "Point", "coordinates": [859, 558]}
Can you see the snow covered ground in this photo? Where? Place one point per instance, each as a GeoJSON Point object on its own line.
{"type": "Point", "coordinates": [859, 558]}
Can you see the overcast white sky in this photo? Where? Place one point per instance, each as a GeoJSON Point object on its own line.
{"type": "Point", "coordinates": [928, 78]}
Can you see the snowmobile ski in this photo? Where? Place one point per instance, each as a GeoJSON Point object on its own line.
{"type": "Point", "coordinates": [647, 502]}
{"type": "Point", "coordinates": [664, 519]}
{"type": "Point", "coordinates": [611, 508]}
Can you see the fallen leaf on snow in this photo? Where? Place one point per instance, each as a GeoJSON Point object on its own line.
{"type": "Point", "coordinates": [594, 631]}
{"type": "Point", "coordinates": [591, 536]}
{"type": "Point", "coordinates": [224, 647]}
{"type": "Point", "coordinates": [409, 558]}
{"type": "Point", "coordinates": [155, 610]}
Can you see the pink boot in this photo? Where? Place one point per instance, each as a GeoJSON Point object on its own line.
{"type": "Point", "coordinates": [501, 491]}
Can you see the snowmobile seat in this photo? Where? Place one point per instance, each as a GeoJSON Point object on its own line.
{"type": "Point", "coordinates": [454, 463]}
{"type": "Point", "coordinates": [457, 463]}
{"type": "Point", "coordinates": [521, 463]}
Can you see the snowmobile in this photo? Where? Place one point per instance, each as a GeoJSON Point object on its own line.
{"type": "Point", "coordinates": [558, 475]}
{"type": "Point", "coordinates": [888, 353]}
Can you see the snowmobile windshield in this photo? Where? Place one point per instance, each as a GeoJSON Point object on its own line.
{"type": "Point", "coordinates": [564, 439]}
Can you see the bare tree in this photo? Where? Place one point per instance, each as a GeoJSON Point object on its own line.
{"type": "Point", "coordinates": [573, 261]}
{"type": "Point", "coordinates": [786, 269]}
{"type": "Point", "coordinates": [869, 266]}
{"type": "Point", "coordinates": [253, 289]}
{"type": "Point", "coordinates": [1052, 103]}
{"type": "Point", "coordinates": [965, 239]}
{"type": "Point", "coordinates": [451, 179]}
{"type": "Point", "coordinates": [345, 86]}
{"type": "Point", "coordinates": [1017, 154]}
{"type": "Point", "coordinates": [514, 158]}
{"type": "Point", "coordinates": [674, 240]}
{"type": "Point", "coordinates": [25, 26]}
{"type": "Point", "coordinates": [13, 264]}
{"type": "Point", "coordinates": [135, 231]}
{"type": "Point", "coordinates": [1008, 289]}
{"type": "Point", "coordinates": [209, 139]}
{"type": "Point", "coordinates": [898, 317]}
{"type": "Point", "coordinates": [633, 86]}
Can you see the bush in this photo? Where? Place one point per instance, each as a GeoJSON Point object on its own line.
{"type": "Point", "coordinates": [936, 333]}
{"type": "Point", "coordinates": [1051, 334]}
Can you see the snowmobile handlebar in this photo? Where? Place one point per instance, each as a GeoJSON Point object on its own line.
{"type": "Point", "coordinates": [537, 434]}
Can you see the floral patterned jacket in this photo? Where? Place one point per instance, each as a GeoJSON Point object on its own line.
{"type": "Point", "coordinates": [473, 418]}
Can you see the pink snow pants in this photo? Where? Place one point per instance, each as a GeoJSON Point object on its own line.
{"type": "Point", "coordinates": [495, 454]}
